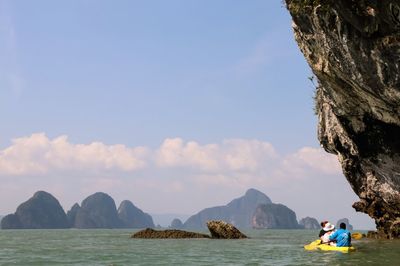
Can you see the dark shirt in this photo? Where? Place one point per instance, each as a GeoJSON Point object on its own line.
{"type": "Point", "coordinates": [321, 233]}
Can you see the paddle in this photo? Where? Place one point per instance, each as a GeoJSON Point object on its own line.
{"type": "Point", "coordinates": [357, 235]}
{"type": "Point", "coordinates": [313, 245]}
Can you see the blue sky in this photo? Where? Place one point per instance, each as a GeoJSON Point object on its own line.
{"type": "Point", "coordinates": [157, 75]}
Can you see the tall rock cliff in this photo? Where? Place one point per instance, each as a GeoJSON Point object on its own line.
{"type": "Point", "coordinates": [97, 211]}
{"type": "Point", "coordinates": [42, 211]}
{"type": "Point", "coordinates": [274, 216]}
{"type": "Point", "coordinates": [309, 223]}
{"type": "Point", "coordinates": [176, 224]}
{"type": "Point", "coordinates": [238, 212]}
{"type": "Point", "coordinates": [71, 214]}
{"type": "Point", "coordinates": [353, 48]}
{"type": "Point", "coordinates": [133, 217]}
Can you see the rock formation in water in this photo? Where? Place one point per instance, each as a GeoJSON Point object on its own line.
{"type": "Point", "coordinates": [353, 48]}
{"type": "Point", "coordinates": [97, 211]}
{"type": "Point", "coordinates": [238, 212]}
{"type": "Point", "coordinates": [346, 221]}
{"type": "Point", "coordinates": [223, 230]}
{"type": "Point", "coordinates": [151, 233]}
{"type": "Point", "coordinates": [218, 230]}
{"type": "Point", "coordinates": [11, 221]}
{"type": "Point", "coordinates": [42, 211]}
{"type": "Point", "coordinates": [176, 224]}
{"type": "Point", "coordinates": [309, 223]}
{"type": "Point", "coordinates": [274, 216]}
{"type": "Point", "coordinates": [133, 217]}
{"type": "Point", "coordinates": [71, 214]}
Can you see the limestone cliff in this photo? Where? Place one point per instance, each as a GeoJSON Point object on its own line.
{"type": "Point", "coordinates": [353, 48]}
{"type": "Point", "coordinates": [133, 217]}
{"type": "Point", "coordinates": [309, 223]}
{"type": "Point", "coordinates": [42, 211]}
{"type": "Point", "coordinates": [237, 212]}
{"type": "Point", "coordinates": [97, 211]}
{"type": "Point", "coordinates": [274, 216]}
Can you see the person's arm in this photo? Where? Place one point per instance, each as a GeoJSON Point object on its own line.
{"type": "Point", "coordinates": [333, 236]}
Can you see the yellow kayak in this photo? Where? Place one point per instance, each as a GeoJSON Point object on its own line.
{"type": "Point", "coordinates": [325, 247]}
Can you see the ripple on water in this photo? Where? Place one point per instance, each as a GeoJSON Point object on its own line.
{"type": "Point", "coordinates": [115, 247]}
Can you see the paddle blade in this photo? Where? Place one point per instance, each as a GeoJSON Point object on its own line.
{"type": "Point", "coordinates": [313, 245]}
{"type": "Point", "coordinates": [356, 236]}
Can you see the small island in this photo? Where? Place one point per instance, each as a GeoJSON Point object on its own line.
{"type": "Point", "coordinates": [218, 230]}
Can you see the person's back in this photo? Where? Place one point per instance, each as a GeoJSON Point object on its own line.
{"type": "Point", "coordinates": [341, 236]}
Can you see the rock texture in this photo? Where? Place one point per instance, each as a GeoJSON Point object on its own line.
{"type": "Point", "coordinates": [223, 230]}
{"type": "Point", "coordinates": [238, 212]}
{"type": "Point", "coordinates": [346, 221]}
{"type": "Point", "coordinates": [42, 211]}
{"type": "Point", "coordinates": [71, 214]}
{"type": "Point", "coordinates": [218, 230]}
{"type": "Point", "coordinates": [11, 221]}
{"type": "Point", "coordinates": [97, 211]}
{"type": "Point", "coordinates": [309, 223]}
{"type": "Point", "coordinates": [151, 233]}
{"type": "Point", "coordinates": [133, 217]}
{"type": "Point", "coordinates": [353, 48]}
{"type": "Point", "coordinates": [274, 216]}
{"type": "Point", "coordinates": [176, 224]}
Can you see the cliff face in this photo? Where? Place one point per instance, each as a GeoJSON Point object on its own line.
{"type": "Point", "coordinates": [133, 217]}
{"type": "Point", "coordinates": [353, 48]}
{"type": "Point", "coordinates": [176, 224]}
{"type": "Point", "coordinates": [274, 216]}
{"type": "Point", "coordinates": [42, 211]}
{"type": "Point", "coordinates": [309, 223]}
{"type": "Point", "coordinates": [97, 211]}
{"type": "Point", "coordinates": [237, 212]}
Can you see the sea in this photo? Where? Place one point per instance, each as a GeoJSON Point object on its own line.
{"type": "Point", "coordinates": [115, 247]}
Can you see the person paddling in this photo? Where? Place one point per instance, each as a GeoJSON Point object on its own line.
{"type": "Point", "coordinates": [341, 236]}
{"type": "Point", "coordinates": [322, 232]}
{"type": "Point", "coordinates": [328, 229]}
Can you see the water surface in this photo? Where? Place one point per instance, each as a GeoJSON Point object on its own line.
{"type": "Point", "coordinates": [115, 247]}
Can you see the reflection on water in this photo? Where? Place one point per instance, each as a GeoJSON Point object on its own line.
{"type": "Point", "coordinates": [114, 247]}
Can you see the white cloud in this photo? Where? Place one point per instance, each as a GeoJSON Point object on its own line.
{"type": "Point", "coordinates": [316, 160]}
{"type": "Point", "coordinates": [178, 176]}
{"type": "Point", "coordinates": [230, 155]}
{"type": "Point", "coordinates": [37, 154]}
{"type": "Point", "coordinates": [250, 155]}
{"type": "Point", "coordinates": [175, 153]}
{"type": "Point", "coordinates": [232, 159]}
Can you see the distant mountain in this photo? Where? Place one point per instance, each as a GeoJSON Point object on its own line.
{"type": "Point", "coordinates": [238, 212]}
{"type": "Point", "coordinates": [165, 219]}
{"type": "Point", "coordinates": [71, 214]}
{"type": "Point", "coordinates": [1, 217]}
{"type": "Point", "coordinates": [310, 223]}
{"type": "Point", "coordinates": [346, 221]}
{"type": "Point", "coordinates": [42, 211]}
{"type": "Point", "coordinates": [274, 216]}
{"type": "Point", "coordinates": [97, 211]}
{"type": "Point", "coordinates": [176, 224]}
{"type": "Point", "coordinates": [133, 217]}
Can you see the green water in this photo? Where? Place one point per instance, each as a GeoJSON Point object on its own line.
{"type": "Point", "coordinates": [115, 247]}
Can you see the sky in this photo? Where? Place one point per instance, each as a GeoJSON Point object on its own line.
{"type": "Point", "coordinates": [175, 105]}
